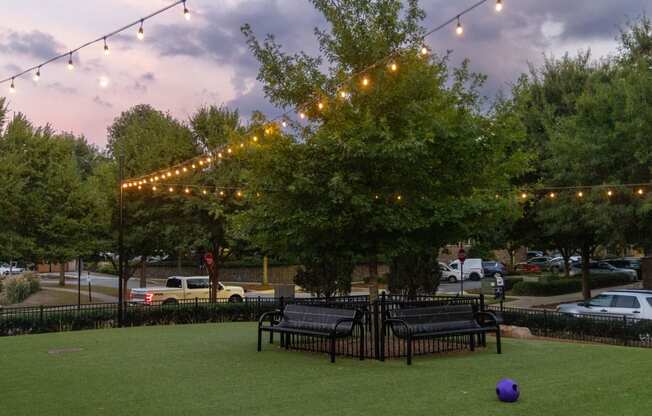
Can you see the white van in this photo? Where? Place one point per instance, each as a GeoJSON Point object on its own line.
{"type": "Point", "coordinates": [472, 268]}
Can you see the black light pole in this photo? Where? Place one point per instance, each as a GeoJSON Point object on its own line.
{"type": "Point", "coordinates": [121, 243]}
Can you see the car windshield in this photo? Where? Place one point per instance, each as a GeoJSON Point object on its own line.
{"type": "Point", "coordinates": [601, 301]}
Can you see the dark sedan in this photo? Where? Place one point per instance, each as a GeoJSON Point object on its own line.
{"type": "Point", "coordinates": [633, 263]}
{"type": "Point", "coordinates": [493, 268]}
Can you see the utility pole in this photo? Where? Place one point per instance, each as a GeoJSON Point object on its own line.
{"type": "Point", "coordinates": [121, 249]}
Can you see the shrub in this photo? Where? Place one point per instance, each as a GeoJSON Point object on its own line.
{"type": "Point", "coordinates": [552, 285]}
{"type": "Point", "coordinates": [105, 268]}
{"type": "Point", "coordinates": [511, 281]}
{"type": "Point", "coordinates": [18, 288]}
{"type": "Point", "coordinates": [414, 274]}
{"type": "Point", "coordinates": [326, 276]}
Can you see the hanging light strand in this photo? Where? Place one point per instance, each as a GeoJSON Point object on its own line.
{"type": "Point", "coordinates": [317, 102]}
{"type": "Point", "coordinates": [102, 39]}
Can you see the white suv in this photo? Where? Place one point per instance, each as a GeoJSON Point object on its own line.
{"type": "Point", "coordinates": [626, 302]}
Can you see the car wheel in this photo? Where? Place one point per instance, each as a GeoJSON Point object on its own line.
{"type": "Point", "coordinates": [474, 277]}
{"type": "Point", "coordinates": [170, 301]}
{"type": "Point", "coordinates": [452, 279]}
{"type": "Point", "coordinates": [235, 299]}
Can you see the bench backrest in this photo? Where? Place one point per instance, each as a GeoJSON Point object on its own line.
{"type": "Point", "coordinates": [435, 314]}
{"type": "Point", "coordinates": [317, 318]}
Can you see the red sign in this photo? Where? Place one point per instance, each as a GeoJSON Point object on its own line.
{"type": "Point", "coordinates": [208, 258]}
{"type": "Point", "coordinates": [461, 255]}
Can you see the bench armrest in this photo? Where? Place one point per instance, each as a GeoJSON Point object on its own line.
{"type": "Point", "coordinates": [399, 321]}
{"type": "Point", "coordinates": [341, 321]}
{"type": "Point", "coordinates": [492, 317]}
{"type": "Point", "coordinates": [266, 314]}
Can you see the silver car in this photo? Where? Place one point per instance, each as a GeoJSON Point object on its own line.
{"type": "Point", "coordinates": [626, 302]}
{"type": "Point", "coordinates": [602, 267]}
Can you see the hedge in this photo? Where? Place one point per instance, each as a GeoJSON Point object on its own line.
{"type": "Point", "coordinates": [16, 289]}
{"type": "Point", "coordinates": [68, 318]}
{"type": "Point", "coordinates": [554, 285]}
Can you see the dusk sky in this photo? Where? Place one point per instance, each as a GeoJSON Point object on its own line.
{"type": "Point", "coordinates": [182, 65]}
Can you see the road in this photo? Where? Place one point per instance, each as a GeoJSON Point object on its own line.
{"type": "Point", "coordinates": [134, 282]}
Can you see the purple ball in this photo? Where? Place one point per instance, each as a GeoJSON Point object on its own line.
{"type": "Point", "coordinates": [507, 390]}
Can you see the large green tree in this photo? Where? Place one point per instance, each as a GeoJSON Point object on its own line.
{"type": "Point", "coordinates": [395, 161]}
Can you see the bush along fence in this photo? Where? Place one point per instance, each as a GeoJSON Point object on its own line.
{"type": "Point", "coordinates": [601, 329]}
{"type": "Point", "coordinates": [605, 329]}
{"type": "Point", "coordinates": [552, 285]}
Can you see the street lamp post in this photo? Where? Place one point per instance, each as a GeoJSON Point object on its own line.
{"type": "Point", "coordinates": [121, 244]}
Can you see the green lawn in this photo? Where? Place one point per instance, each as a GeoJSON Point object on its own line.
{"type": "Point", "coordinates": [213, 369]}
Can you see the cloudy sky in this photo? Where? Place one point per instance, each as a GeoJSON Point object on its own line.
{"type": "Point", "coordinates": [181, 64]}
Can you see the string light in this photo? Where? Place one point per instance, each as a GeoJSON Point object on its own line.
{"type": "Point", "coordinates": [610, 192]}
{"type": "Point", "coordinates": [640, 191]}
{"type": "Point", "coordinates": [499, 6]}
{"type": "Point", "coordinates": [106, 48]}
{"type": "Point", "coordinates": [171, 189]}
{"type": "Point", "coordinates": [580, 194]}
{"type": "Point", "coordinates": [302, 115]}
{"type": "Point", "coordinates": [187, 190]}
{"type": "Point", "coordinates": [284, 124]}
{"type": "Point", "coordinates": [343, 94]}
{"type": "Point", "coordinates": [552, 195]}
{"type": "Point", "coordinates": [154, 188]}
{"type": "Point", "coordinates": [459, 29]}
{"type": "Point", "coordinates": [141, 32]}
{"type": "Point", "coordinates": [320, 105]}
{"type": "Point", "coordinates": [104, 81]}
{"type": "Point", "coordinates": [365, 81]}
{"type": "Point", "coordinates": [424, 51]}
{"type": "Point", "coordinates": [524, 195]}
{"type": "Point", "coordinates": [393, 67]}
{"type": "Point", "coordinates": [71, 66]}
{"type": "Point", "coordinates": [12, 88]}
{"type": "Point", "coordinates": [37, 75]}
{"type": "Point", "coordinates": [186, 12]}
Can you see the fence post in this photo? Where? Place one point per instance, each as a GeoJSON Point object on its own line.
{"type": "Point", "coordinates": [481, 302]}
{"type": "Point", "coordinates": [281, 303]}
{"type": "Point", "coordinates": [545, 322]}
{"type": "Point", "coordinates": [376, 334]}
{"type": "Point", "coordinates": [382, 329]}
{"type": "Point", "coordinates": [625, 330]}
{"type": "Point", "coordinates": [40, 317]}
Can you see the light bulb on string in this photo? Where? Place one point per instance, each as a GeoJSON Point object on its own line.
{"type": "Point", "coordinates": [37, 75]}
{"type": "Point", "coordinates": [141, 32]}
{"type": "Point", "coordinates": [459, 29]}
{"type": "Point", "coordinates": [71, 66]}
{"type": "Point", "coordinates": [320, 105]}
{"type": "Point", "coordinates": [552, 195]}
{"type": "Point", "coordinates": [640, 191]}
{"type": "Point", "coordinates": [106, 48]}
{"type": "Point", "coordinates": [12, 88]}
{"type": "Point", "coordinates": [499, 6]}
{"type": "Point", "coordinates": [187, 190]}
{"type": "Point", "coordinates": [580, 194]}
{"type": "Point", "coordinates": [424, 51]}
{"type": "Point", "coordinates": [365, 82]}
{"type": "Point", "coordinates": [284, 123]}
{"type": "Point", "coordinates": [610, 193]}
{"type": "Point", "coordinates": [104, 81]}
{"type": "Point", "coordinates": [186, 12]}
{"type": "Point", "coordinates": [302, 115]}
{"type": "Point", "coordinates": [393, 67]}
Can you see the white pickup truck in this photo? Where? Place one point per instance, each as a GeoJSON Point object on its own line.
{"type": "Point", "coordinates": [179, 288]}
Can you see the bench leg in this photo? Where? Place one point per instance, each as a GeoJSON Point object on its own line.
{"type": "Point", "coordinates": [271, 337]}
{"type": "Point", "coordinates": [472, 342]}
{"type": "Point", "coordinates": [409, 350]}
{"type": "Point", "coordinates": [498, 349]}
{"type": "Point", "coordinates": [332, 349]}
{"type": "Point", "coordinates": [260, 335]}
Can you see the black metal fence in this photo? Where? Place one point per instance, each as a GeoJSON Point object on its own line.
{"type": "Point", "coordinates": [543, 323]}
{"type": "Point", "coordinates": [604, 329]}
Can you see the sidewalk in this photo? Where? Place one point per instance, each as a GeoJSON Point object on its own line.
{"type": "Point", "coordinates": [538, 301]}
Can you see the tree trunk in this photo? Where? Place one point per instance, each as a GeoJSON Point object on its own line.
{"type": "Point", "coordinates": [62, 273]}
{"type": "Point", "coordinates": [179, 261]}
{"type": "Point", "coordinates": [213, 272]}
{"type": "Point", "coordinates": [143, 279]}
{"type": "Point", "coordinates": [586, 277]}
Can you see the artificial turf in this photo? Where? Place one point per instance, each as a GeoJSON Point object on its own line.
{"type": "Point", "coordinates": [214, 369]}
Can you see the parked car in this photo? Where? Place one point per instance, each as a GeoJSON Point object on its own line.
{"type": "Point", "coordinates": [602, 267]}
{"type": "Point", "coordinates": [7, 269]}
{"type": "Point", "coordinates": [472, 268]}
{"type": "Point", "coordinates": [448, 274]}
{"type": "Point", "coordinates": [627, 302]}
{"type": "Point", "coordinates": [526, 268]}
{"type": "Point", "coordinates": [534, 253]}
{"type": "Point", "coordinates": [494, 268]}
{"type": "Point", "coordinates": [179, 288]}
{"type": "Point", "coordinates": [543, 262]}
{"type": "Point", "coordinates": [633, 263]}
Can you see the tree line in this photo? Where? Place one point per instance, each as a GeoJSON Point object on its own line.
{"type": "Point", "coordinates": [388, 172]}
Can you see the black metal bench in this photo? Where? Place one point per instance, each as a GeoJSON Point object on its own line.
{"type": "Point", "coordinates": [317, 321]}
{"type": "Point", "coordinates": [441, 321]}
